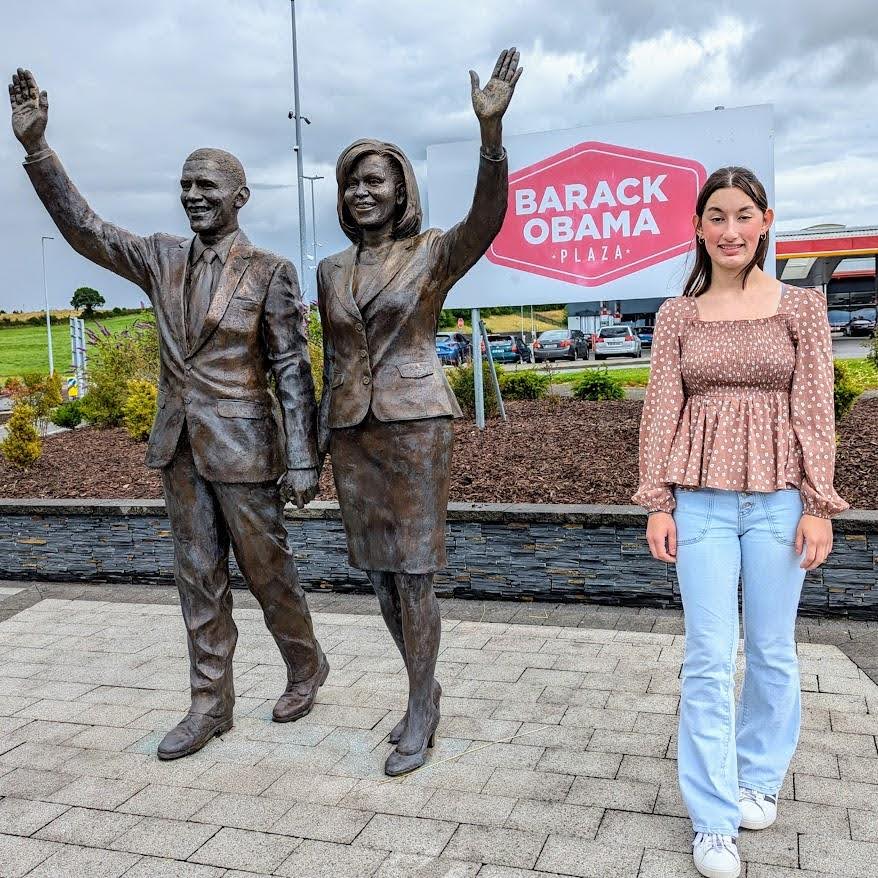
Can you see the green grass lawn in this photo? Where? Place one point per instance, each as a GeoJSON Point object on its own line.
{"type": "Point", "coordinates": [24, 348]}
{"type": "Point", "coordinates": [863, 372]}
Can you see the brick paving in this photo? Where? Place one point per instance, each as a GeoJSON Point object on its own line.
{"type": "Point", "coordinates": [555, 755]}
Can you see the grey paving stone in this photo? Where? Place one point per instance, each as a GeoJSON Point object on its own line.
{"type": "Point", "coordinates": [491, 871]}
{"type": "Point", "coordinates": [409, 835]}
{"type": "Point", "coordinates": [582, 857]}
{"type": "Point", "coordinates": [26, 783]}
{"type": "Point", "coordinates": [19, 855]}
{"type": "Point", "coordinates": [246, 850]}
{"type": "Point", "coordinates": [322, 823]}
{"type": "Point", "coordinates": [633, 743]}
{"type": "Point", "coordinates": [154, 867]}
{"type": "Point", "coordinates": [403, 799]}
{"type": "Point", "coordinates": [857, 768]}
{"type": "Point", "coordinates": [172, 839]}
{"type": "Point", "coordinates": [555, 817]}
{"type": "Point", "coordinates": [463, 807]}
{"type": "Point", "coordinates": [584, 763]}
{"type": "Point", "coordinates": [775, 848]}
{"type": "Point", "coordinates": [87, 827]}
{"type": "Point", "coordinates": [846, 793]}
{"type": "Point", "coordinates": [625, 795]}
{"type": "Point", "coordinates": [838, 856]}
{"type": "Point", "coordinates": [242, 812]}
{"type": "Point", "coordinates": [169, 802]}
{"type": "Point", "coordinates": [321, 789]}
{"type": "Point", "coordinates": [864, 825]}
{"type": "Point", "coordinates": [630, 829]}
{"type": "Point", "coordinates": [319, 859]}
{"type": "Point", "coordinates": [96, 792]}
{"type": "Point", "coordinates": [82, 862]}
{"type": "Point", "coordinates": [25, 817]}
{"type": "Point", "coordinates": [666, 864]}
{"type": "Point", "coordinates": [415, 866]}
{"type": "Point", "coordinates": [505, 847]}
{"type": "Point", "coordinates": [523, 784]}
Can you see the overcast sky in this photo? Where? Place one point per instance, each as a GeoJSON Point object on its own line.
{"type": "Point", "coordinates": [134, 87]}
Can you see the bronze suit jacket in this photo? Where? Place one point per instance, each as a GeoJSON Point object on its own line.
{"type": "Point", "coordinates": [381, 355]}
{"type": "Point", "coordinates": [239, 430]}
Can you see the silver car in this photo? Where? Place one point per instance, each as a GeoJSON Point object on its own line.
{"type": "Point", "coordinates": [617, 341]}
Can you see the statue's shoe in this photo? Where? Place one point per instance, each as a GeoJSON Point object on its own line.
{"type": "Point", "coordinates": [402, 763]}
{"type": "Point", "coordinates": [397, 731]}
{"type": "Point", "coordinates": [298, 699]}
{"type": "Point", "coordinates": [191, 734]}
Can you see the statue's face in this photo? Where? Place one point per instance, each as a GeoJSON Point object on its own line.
{"type": "Point", "coordinates": [373, 191]}
{"type": "Point", "coordinates": [211, 197]}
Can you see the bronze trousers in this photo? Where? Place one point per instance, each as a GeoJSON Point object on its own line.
{"type": "Point", "coordinates": [205, 517]}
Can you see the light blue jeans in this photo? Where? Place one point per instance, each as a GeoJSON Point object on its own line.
{"type": "Point", "coordinates": [722, 535]}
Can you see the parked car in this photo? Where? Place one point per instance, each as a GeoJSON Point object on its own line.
{"type": "Point", "coordinates": [644, 333]}
{"type": "Point", "coordinates": [452, 348]}
{"type": "Point", "coordinates": [838, 319]}
{"type": "Point", "coordinates": [509, 349]}
{"type": "Point", "coordinates": [617, 341]}
{"type": "Point", "coordinates": [561, 344]}
{"type": "Point", "coordinates": [860, 326]}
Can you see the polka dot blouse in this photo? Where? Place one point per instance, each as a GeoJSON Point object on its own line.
{"type": "Point", "coordinates": [741, 405]}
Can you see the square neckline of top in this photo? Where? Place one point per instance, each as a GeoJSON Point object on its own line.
{"type": "Point", "coordinates": [777, 312]}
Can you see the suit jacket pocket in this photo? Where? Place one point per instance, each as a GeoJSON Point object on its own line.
{"type": "Point", "coordinates": [337, 378]}
{"type": "Point", "coordinates": [248, 304]}
{"type": "Point", "coordinates": [415, 370]}
{"type": "Point", "coordinates": [241, 408]}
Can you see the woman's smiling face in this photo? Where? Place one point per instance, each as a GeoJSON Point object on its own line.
{"type": "Point", "coordinates": [373, 191]}
{"type": "Point", "coordinates": [731, 227]}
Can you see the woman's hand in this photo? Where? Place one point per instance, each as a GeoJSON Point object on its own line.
{"type": "Point", "coordinates": [661, 534]}
{"type": "Point", "coordinates": [490, 102]}
{"type": "Point", "coordinates": [814, 536]}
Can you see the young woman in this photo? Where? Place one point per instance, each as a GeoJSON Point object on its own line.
{"type": "Point", "coordinates": [737, 455]}
{"type": "Point", "coordinates": [385, 415]}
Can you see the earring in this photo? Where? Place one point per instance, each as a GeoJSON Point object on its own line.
{"type": "Point", "coordinates": [763, 236]}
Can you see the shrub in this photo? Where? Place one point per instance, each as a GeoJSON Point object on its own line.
{"type": "Point", "coordinates": [462, 383]}
{"type": "Point", "coordinates": [845, 391]}
{"type": "Point", "coordinates": [315, 350]}
{"type": "Point", "coordinates": [114, 360]}
{"type": "Point", "coordinates": [872, 356]}
{"type": "Point", "coordinates": [42, 393]}
{"type": "Point", "coordinates": [139, 408]}
{"type": "Point", "coordinates": [22, 446]}
{"type": "Point", "coordinates": [68, 414]}
{"type": "Point", "coordinates": [528, 384]}
{"type": "Point", "coordinates": [598, 384]}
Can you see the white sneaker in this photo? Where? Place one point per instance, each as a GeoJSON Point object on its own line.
{"type": "Point", "coordinates": [758, 810]}
{"type": "Point", "coordinates": [716, 856]}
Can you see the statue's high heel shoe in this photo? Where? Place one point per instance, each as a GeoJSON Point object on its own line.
{"type": "Point", "coordinates": [399, 728]}
{"type": "Point", "coordinates": [402, 763]}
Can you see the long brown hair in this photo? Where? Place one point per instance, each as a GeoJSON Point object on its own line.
{"type": "Point", "coordinates": [726, 178]}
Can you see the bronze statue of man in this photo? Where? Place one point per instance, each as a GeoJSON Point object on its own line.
{"type": "Point", "coordinates": [229, 448]}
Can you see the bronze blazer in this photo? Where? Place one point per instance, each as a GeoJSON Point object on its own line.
{"type": "Point", "coordinates": [381, 355]}
{"type": "Point", "coordinates": [240, 431]}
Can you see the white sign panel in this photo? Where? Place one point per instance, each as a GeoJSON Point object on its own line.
{"type": "Point", "coordinates": [598, 213]}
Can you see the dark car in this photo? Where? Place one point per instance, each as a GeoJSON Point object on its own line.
{"type": "Point", "coordinates": [509, 349]}
{"type": "Point", "coordinates": [452, 348]}
{"type": "Point", "coordinates": [860, 325]}
{"type": "Point", "coordinates": [644, 333]}
{"type": "Point", "coordinates": [561, 344]}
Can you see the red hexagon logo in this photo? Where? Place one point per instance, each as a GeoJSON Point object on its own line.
{"type": "Point", "coordinates": [596, 212]}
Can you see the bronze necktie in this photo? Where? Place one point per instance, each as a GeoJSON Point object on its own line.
{"type": "Point", "coordinates": [201, 285]}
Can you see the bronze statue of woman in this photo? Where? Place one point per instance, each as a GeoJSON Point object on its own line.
{"type": "Point", "coordinates": [386, 410]}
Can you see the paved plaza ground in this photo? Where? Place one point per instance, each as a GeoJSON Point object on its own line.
{"type": "Point", "coordinates": [555, 754]}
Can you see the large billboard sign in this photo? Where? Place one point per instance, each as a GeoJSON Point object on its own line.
{"type": "Point", "coordinates": [597, 213]}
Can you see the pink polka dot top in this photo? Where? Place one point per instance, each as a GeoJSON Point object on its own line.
{"type": "Point", "coordinates": [741, 405]}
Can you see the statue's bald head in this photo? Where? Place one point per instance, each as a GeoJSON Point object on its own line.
{"type": "Point", "coordinates": [224, 161]}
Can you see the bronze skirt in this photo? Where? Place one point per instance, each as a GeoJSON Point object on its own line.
{"type": "Point", "coordinates": [392, 484]}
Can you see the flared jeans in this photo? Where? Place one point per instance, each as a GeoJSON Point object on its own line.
{"type": "Point", "coordinates": [723, 536]}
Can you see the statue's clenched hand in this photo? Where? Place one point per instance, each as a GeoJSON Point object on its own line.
{"type": "Point", "coordinates": [30, 111]}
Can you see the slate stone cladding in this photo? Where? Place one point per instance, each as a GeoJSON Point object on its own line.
{"type": "Point", "coordinates": [594, 554]}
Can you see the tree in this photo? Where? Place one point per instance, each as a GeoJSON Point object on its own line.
{"type": "Point", "coordinates": [87, 299]}
{"type": "Point", "coordinates": [22, 446]}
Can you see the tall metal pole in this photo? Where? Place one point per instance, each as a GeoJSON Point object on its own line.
{"type": "Point", "coordinates": [478, 387]}
{"type": "Point", "coordinates": [43, 240]}
{"type": "Point", "coordinates": [297, 113]}
{"type": "Point", "coordinates": [311, 179]}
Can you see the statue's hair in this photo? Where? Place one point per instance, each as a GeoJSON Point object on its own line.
{"type": "Point", "coordinates": [226, 162]}
{"type": "Point", "coordinates": [408, 215]}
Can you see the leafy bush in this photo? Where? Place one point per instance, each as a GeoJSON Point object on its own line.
{"type": "Point", "coordinates": [845, 391]}
{"type": "Point", "coordinates": [462, 382]}
{"type": "Point", "coordinates": [528, 384]}
{"type": "Point", "coordinates": [22, 446]}
{"type": "Point", "coordinates": [42, 393]}
{"type": "Point", "coordinates": [139, 408]}
{"type": "Point", "coordinates": [68, 414]}
{"type": "Point", "coordinates": [598, 384]}
{"type": "Point", "coordinates": [315, 350]}
{"type": "Point", "coordinates": [114, 360]}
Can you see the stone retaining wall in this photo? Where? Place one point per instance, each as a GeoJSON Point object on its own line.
{"type": "Point", "coordinates": [533, 552]}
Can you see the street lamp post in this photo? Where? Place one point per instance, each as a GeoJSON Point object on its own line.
{"type": "Point", "coordinates": [311, 180]}
{"type": "Point", "coordinates": [43, 240]}
{"type": "Point", "coordinates": [297, 115]}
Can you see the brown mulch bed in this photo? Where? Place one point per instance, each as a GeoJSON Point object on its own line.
{"type": "Point", "coordinates": [559, 451]}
